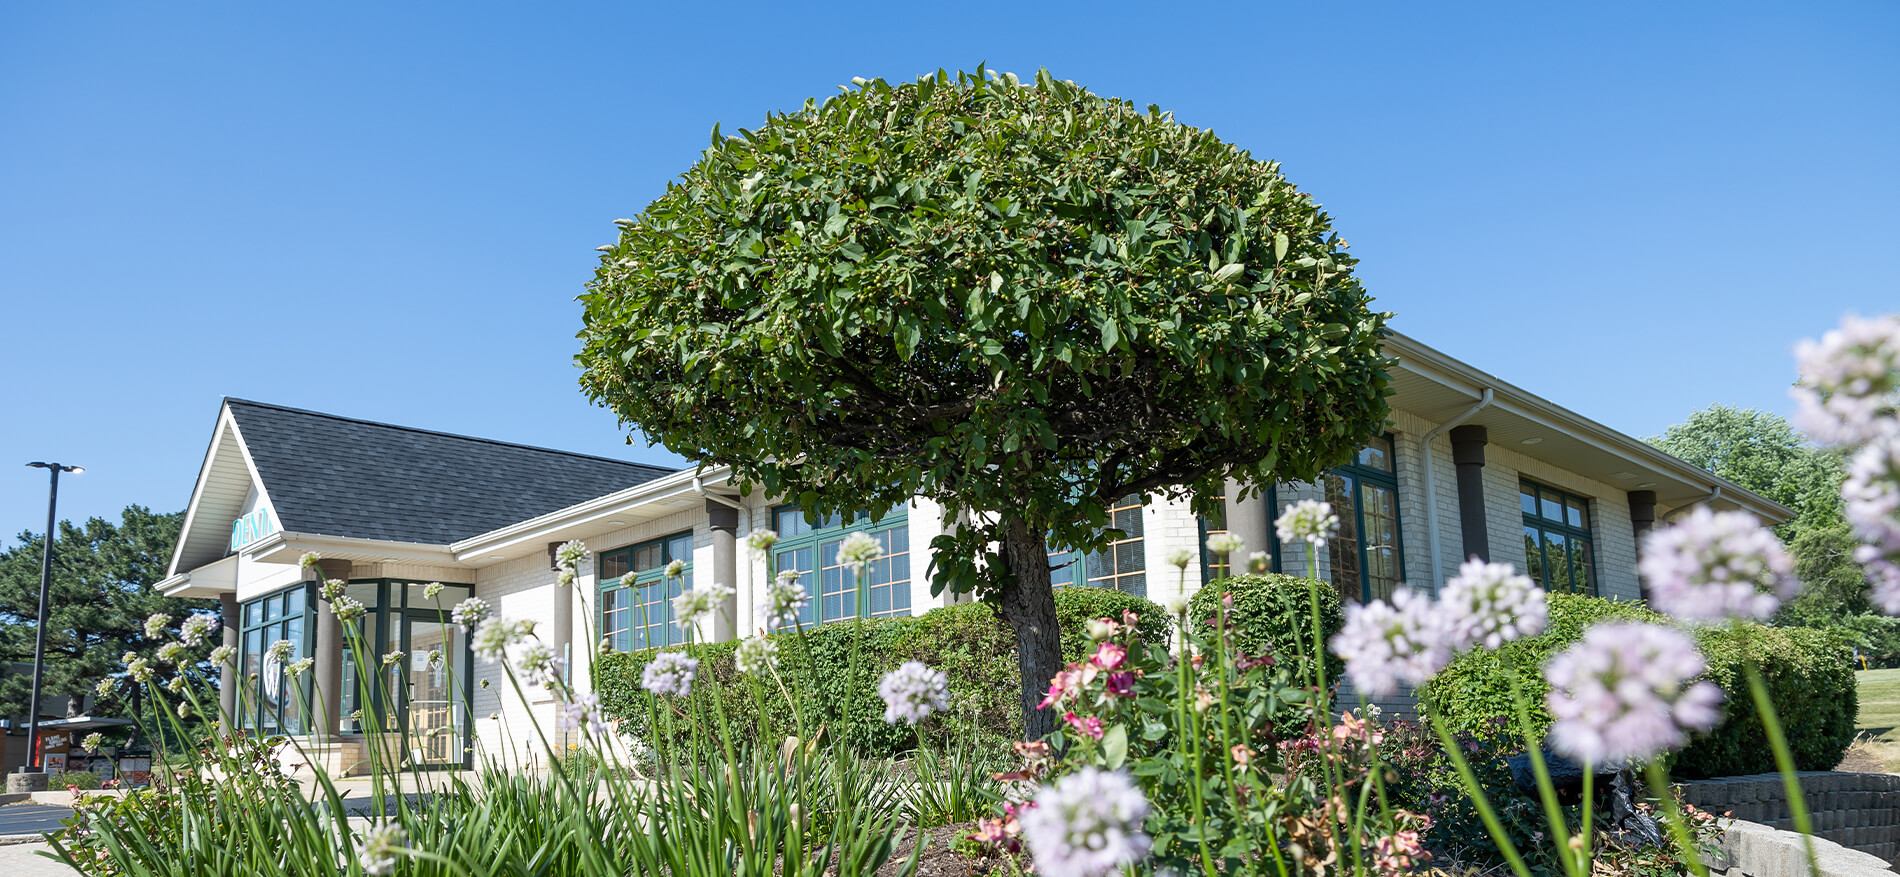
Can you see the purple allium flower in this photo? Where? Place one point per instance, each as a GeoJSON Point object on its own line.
{"type": "Point", "coordinates": [196, 627]}
{"type": "Point", "coordinates": [1386, 644]}
{"type": "Point", "coordinates": [696, 604]}
{"type": "Point", "coordinates": [584, 711]}
{"type": "Point", "coordinates": [912, 692]}
{"type": "Point", "coordinates": [1089, 824]}
{"type": "Point", "coordinates": [1850, 381]}
{"type": "Point", "coordinates": [783, 599]}
{"type": "Point", "coordinates": [670, 673]}
{"type": "Point", "coordinates": [540, 666]}
{"type": "Point", "coordinates": [1309, 520]}
{"type": "Point", "coordinates": [1872, 506]}
{"type": "Point", "coordinates": [1624, 694]}
{"type": "Point", "coordinates": [1713, 566]}
{"type": "Point", "coordinates": [494, 637]}
{"type": "Point", "coordinates": [755, 655]}
{"type": "Point", "coordinates": [1490, 604]}
{"type": "Point", "coordinates": [469, 613]}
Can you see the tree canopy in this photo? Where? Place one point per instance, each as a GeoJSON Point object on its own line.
{"type": "Point", "coordinates": [1023, 300]}
{"type": "Point", "coordinates": [102, 593]}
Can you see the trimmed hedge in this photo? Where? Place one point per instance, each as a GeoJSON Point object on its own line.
{"type": "Point", "coordinates": [1810, 676]}
{"type": "Point", "coordinates": [967, 641]}
{"type": "Point", "coordinates": [1273, 615]}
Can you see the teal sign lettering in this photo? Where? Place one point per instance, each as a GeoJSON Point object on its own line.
{"type": "Point", "coordinates": [251, 528]}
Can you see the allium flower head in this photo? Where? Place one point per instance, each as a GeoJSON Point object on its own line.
{"type": "Point", "coordinates": [1180, 558]}
{"type": "Point", "coordinates": [300, 666]}
{"type": "Point", "coordinates": [155, 625]}
{"type": "Point", "coordinates": [382, 844]}
{"type": "Point", "coordinates": [570, 554]}
{"type": "Point", "coordinates": [469, 613]}
{"type": "Point", "coordinates": [1490, 604]}
{"type": "Point", "coordinates": [1871, 496]}
{"type": "Point", "coordinates": [1089, 824]}
{"type": "Point", "coordinates": [670, 673]}
{"type": "Point", "coordinates": [1389, 644]}
{"type": "Point", "coordinates": [676, 569]}
{"type": "Point", "coordinates": [912, 692]}
{"type": "Point", "coordinates": [196, 627]}
{"type": "Point", "coordinates": [761, 541]}
{"type": "Point", "coordinates": [755, 655]}
{"type": "Point", "coordinates": [493, 638]}
{"type": "Point", "coordinates": [347, 608]}
{"type": "Point", "coordinates": [1623, 694]}
{"type": "Point", "coordinates": [171, 653]}
{"type": "Point", "coordinates": [783, 599]}
{"type": "Point", "coordinates": [392, 658]}
{"type": "Point", "coordinates": [540, 666]}
{"type": "Point", "coordinates": [104, 688]}
{"type": "Point", "coordinates": [332, 589]}
{"type": "Point", "coordinates": [1176, 604]}
{"type": "Point", "coordinates": [94, 742]}
{"type": "Point", "coordinates": [435, 658]}
{"type": "Point", "coordinates": [1850, 381]}
{"type": "Point", "coordinates": [280, 650]}
{"type": "Point", "coordinates": [1259, 563]}
{"type": "Point", "coordinates": [1714, 566]}
{"type": "Point", "coordinates": [431, 590]}
{"type": "Point", "coordinates": [1308, 520]}
{"type": "Point", "coordinates": [1225, 543]}
{"type": "Point", "coordinates": [139, 669]}
{"type": "Point", "coordinates": [583, 711]}
{"type": "Point", "coordinates": [309, 559]}
{"type": "Point", "coordinates": [859, 551]}
{"type": "Point", "coordinates": [222, 655]}
{"type": "Point", "coordinates": [697, 604]}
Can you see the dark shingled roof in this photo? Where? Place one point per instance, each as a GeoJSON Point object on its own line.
{"type": "Point", "coordinates": [337, 476]}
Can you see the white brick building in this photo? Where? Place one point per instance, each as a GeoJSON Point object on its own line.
{"type": "Point", "coordinates": [1468, 465]}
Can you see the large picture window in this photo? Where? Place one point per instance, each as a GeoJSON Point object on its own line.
{"type": "Point", "coordinates": [636, 597]}
{"type": "Point", "coordinates": [272, 701]}
{"type": "Point", "coordinates": [1367, 556]}
{"type": "Point", "coordinates": [1559, 550]}
{"type": "Point", "coordinates": [1122, 564]}
{"type": "Point", "coordinates": [811, 549]}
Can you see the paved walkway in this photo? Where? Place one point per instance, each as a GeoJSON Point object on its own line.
{"type": "Point", "coordinates": [22, 860]}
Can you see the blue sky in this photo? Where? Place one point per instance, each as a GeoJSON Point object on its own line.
{"type": "Point", "coordinates": [1632, 209]}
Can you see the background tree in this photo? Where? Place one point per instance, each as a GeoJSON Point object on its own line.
{"type": "Point", "coordinates": [1761, 451]}
{"type": "Point", "coordinates": [102, 593]}
{"type": "Point", "coordinates": [1022, 301]}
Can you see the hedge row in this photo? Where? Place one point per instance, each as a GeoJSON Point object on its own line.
{"type": "Point", "coordinates": [967, 641]}
{"type": "Point", "coordinates": [1810, 676]}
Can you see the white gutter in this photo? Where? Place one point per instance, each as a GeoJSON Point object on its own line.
{"type": "Point", "coordinates": [1714, 495]}
{"type": "Point", "coordinates": [699, 487]}
{"type": "Point", "coordinates": [1431, 483]}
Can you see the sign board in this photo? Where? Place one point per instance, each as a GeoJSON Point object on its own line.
{"type": "Point", "coordinates": [251, 528]}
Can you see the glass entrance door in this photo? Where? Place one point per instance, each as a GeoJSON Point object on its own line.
{"type": "Point", "coordinates": [430, 684]}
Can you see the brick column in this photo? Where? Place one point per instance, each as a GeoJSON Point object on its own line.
{"type": "Point", "coordinates": [1467, 452]}
{"type": "Point", "coordinates": [1249, 519]}
{"type": "Point", "coordinates": [328, 672]}
{"type": "Point", "coordinates": [723, 520]}
{"type": "Point", "coordinates": [228, 673]}
{"type": "Point", "coordinates": [1642, 520]}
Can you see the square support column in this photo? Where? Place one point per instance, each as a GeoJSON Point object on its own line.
{"type": "Point", "coordinates": [228, 673]}
{"type": "Point", "coordinates": [328, 672]}
{"type": "Point", "coordinates": [723, 520]}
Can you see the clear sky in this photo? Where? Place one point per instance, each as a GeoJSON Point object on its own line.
{"type": "Point", "coordinates": [385, 210]}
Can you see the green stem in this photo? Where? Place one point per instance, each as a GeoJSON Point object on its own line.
{"type": "Point", "coordinates": [1784, 759]}
{"type": "Point", "coordinates": [1660, 787]}
{"type": "Point", "coordinates": [1546, 790]}
{"type": "Point", "coordinates": [1490, 817]}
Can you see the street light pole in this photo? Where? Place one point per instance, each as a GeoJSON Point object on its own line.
{"type": "Point", "coordinates": [39, 644]}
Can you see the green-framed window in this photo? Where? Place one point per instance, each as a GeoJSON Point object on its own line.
{"type": "Point", "coordinates": [1559, 548]}
{"type": "Point", "coordinates": [1122, 564]}
{"type": "Point", "coordinates": [1367, 556]}
{"type": "Point", "coordinates": [810, 548]}
{"type": "Point", "coordinates": [636, 598]}
{"type": "Point", "coordinates": [272, 701]}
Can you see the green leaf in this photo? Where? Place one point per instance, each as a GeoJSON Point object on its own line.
{"type": "Point", "coordinates": [1228, 272]}
{"type": "Point", "coordinates": [1115, 746]}
{"type": "Point", "coordinates": [1111, 334]}
{"type": "Point", "coordinates": [1280, 244]}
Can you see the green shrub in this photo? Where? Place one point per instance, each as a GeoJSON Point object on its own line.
{"type": "Point", "coordinates": [1809, 673]}
{"type": "Point", "coordinates": [967, 641]}
{"type": "Point", "coordinates": [1875, 639]}
{"type": "Point", "coordinates": [1272, 615]}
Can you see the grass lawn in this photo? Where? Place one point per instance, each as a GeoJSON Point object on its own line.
{"type": "Point", "coordinates": [1879, 703]}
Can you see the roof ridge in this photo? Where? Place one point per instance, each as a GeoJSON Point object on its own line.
{"type": "Point", "coordinates": [436, 432]}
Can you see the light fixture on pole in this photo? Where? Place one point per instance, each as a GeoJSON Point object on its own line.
{"type": "Point", "coordinates": [34, 763]}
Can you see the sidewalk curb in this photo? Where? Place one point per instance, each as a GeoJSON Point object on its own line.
{"type": "Point", "coordinates": [7, 840]}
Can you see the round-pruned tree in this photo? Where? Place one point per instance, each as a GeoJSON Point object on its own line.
{"type": "Point", "coordinates": [1022, 300]}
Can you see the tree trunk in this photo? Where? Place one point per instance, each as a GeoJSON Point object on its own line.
{"type": "Point", "coordinates": [1029, 606]}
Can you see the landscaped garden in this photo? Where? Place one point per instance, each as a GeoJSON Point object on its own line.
{"type": "Point", "coordinates": [1071, 731]}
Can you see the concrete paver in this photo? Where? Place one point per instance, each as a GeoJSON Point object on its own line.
{"type": "Point", "coordinates": [23, 860]}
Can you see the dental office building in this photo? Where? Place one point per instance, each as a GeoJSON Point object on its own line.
{"type": "Point", "coordinates": [1469, 466]}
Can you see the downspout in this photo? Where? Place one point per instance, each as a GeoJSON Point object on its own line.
{"type": "Point", "coordinates": [1431, 481]}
